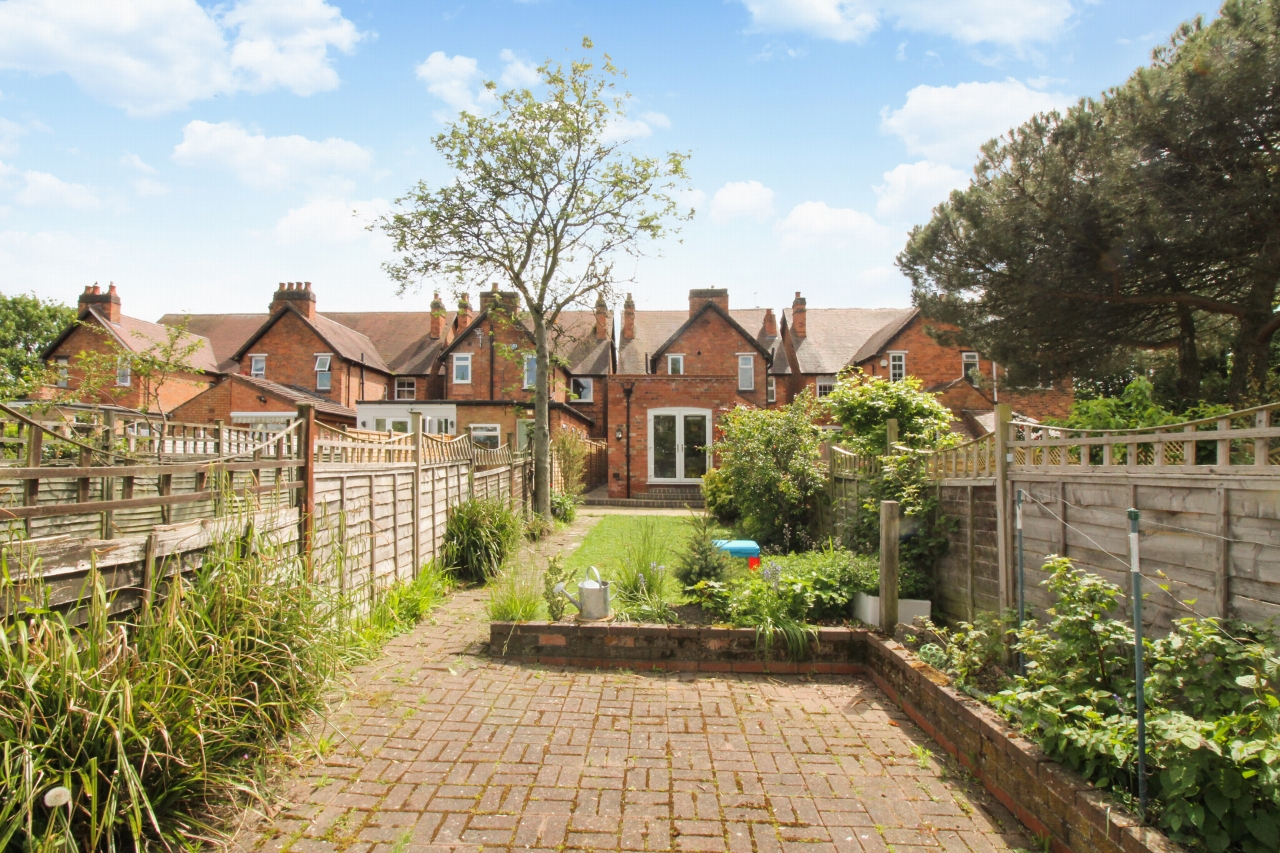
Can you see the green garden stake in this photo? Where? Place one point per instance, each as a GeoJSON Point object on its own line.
{"type": "Point", "coordinates": [1139, 678]}
{"type": "Point", "coordinates": [1022, 584]}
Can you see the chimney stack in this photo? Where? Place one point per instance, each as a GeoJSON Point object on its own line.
{"type": "Point", "coordinates": [798, 325]}
{"type": "Point", "coordinates": [437, 317]}
{"type": "Point", "coordinates": [628, 319]}
{"type": "Point", "coordinates": [487, 298]}
{"type": "Point", "coordinates": [464, 312]}
{"type": "Point", "coordinates": [718, 295]}
{"type": "Point", "coordinates": [299, 295]}
{"type": "Point", "coordinates": [770, 324]}
{"type": "Point", "coordinates": [107, 304]}
{"type": "Point", "coordinates": [602, 318]}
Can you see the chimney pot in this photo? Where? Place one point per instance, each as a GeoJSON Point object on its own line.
{"type": "Point", "coordinates": [108, 303]}
{"type": "Point", "coordinates": [770, 323]}
{"type": "Point", "coordinates": [700, 296]}
{"type": "Point", "coordinates": [293, 293]}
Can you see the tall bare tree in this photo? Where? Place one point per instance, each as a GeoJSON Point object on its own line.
{"type": "Point", "coordinates": [546, 196]}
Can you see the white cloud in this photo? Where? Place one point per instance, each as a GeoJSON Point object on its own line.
{"type": "Point", "coordinates": [153, 56]}
{"type": "Point", "coordinates": [330, 220]}
{"type": "Point", "coordinates": [45, 190]}
{"type": "Point", "coordinates": [967, 21]}
{"type": "Point", "coordinates": [148, 187]}
{"type": "Point", "coordinates": [742, 200]}
{"type": "Point", "coordinates": [911, 191]}
{"type": "Point", "coordinates": [656, 119]}
{"type": "Point", "coordinates": [688, 199]}
{"type": "Point", "coordinates": [948, 124]}
{"type": "Point", "coordinates": [518, 74]}
{"type": "Point", "coordinates": [814, 223]}
{"type": "Point", "coordinates": [133, 161]}
{"type": "Point", "coordinates": [450, 79]}
{"type": "Point", "coordinates": [625, 128]}
{"type": "Point", "coordinates": [268, 162]}
{"type": "Point", "coordinates": [10, 133]}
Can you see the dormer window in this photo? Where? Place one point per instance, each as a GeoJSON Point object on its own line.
{"type": "Point", "coordinates": [324, 377]}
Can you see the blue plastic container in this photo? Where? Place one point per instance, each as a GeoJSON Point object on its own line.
{"type": "Point", "coordinates": [738, 547]}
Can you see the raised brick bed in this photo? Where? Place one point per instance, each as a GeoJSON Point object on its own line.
{"type": "Point", "coordinates": [1048, 798]}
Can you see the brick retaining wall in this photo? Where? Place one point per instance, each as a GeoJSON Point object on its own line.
{"type": "Point", "coordinates": [1047, 797]}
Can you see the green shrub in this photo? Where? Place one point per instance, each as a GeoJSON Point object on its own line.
{"type": "Point", "coordinates": [775, 603]}
{"type": "Point", "coordinates": [772, 462]}
{"type": "Point", "coordinates": [829, 574]}
{"type": "Point", "coordinates": [862, 405]}
{"type": "Point", "coordinates": [515, 595]}
{"type": "Point", "coordinates": [402, 606]}
{"type": "Point", "coordinates": [717, 493]}
{"type": "Point", "coordinates": [564, 506]}
{"type": "Point", "coordinates": [154, 723]}
{"type": "Point", "coordinates": [912, 581]}
{"type": "Point", "coordinates": [555, 573]}
{"type": "Point", "coordinates": [479, 537]}
{"type": "Point", "coordinates": [640, 587]}
{"type": "Point", "coordinates": [701, 560]}
{"type": "Point", "coordinates": [1213, 714]}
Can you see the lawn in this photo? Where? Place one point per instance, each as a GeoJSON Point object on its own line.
{"type": "Point", "coordinates": [605, 545]}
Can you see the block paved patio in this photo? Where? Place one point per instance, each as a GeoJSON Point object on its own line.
{"type": "Point", "coordinates": [438, 749]}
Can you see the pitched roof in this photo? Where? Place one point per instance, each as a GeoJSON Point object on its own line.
{"type": "Point", "coordinates": [140, 336]}
{"type": "Point", "coordinates": [295, 395]}
{"type": "Point", "coordinates": [573, 339]}
{"type": "Point", "coordinates": [226, 332]}
{"type": "Point", "coordinates": [346, 342]}
{"type": "Point", "coordinates": [655, 328]}
{"type": "Point", "coordinates": [838, 337]}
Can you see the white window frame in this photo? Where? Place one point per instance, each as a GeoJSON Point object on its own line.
{"type": "Point", "coordinates": [530, 361]}
{"type": "Point", "coordinates": [674, 359]}
{"type": "Point", "coordinates": [828, 381]}
{"type": "Point", "coordinates": [679, 412]}
{"type": "Point", "coordinates": [380, 424]}
{"type": "Point", "coordinates": [771, 389]}
{"type": "Point", "coordinates": [488, 429]}
{"type": "Point", "coordinates": [124, 372]}
{"type": "Point", "coordinates": [324, 371]}
{"type": "Point", "coordinates": [459, 359]}
{"type": "Point", "coordinates": [898, 360]}
{"type": "Point", "coordinates": [588, 385]}
{"type": "Point", "coordinates": [63, 364]}
{"type": "Point", "coordinates": [400, 425]}
{"type": "Point", "coordinates": [747, 361]}
{"type": "Point", "coordinates": [406, 384]}
{"type": "Point", "coordinates": [258, 366]}
{"type": "Point", "coordinates": [967, 363]}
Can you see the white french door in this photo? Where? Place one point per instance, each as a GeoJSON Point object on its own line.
{"type": "Point", "coordinates": [679, 444]}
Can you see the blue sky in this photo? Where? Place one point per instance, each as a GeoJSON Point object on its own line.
{"type": "Point", "coordinates": [197, 154]}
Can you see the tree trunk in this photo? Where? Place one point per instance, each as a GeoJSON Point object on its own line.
{"type": "Point", "coordinates": [541, 420]}
{"type": "Point", "coordinates": [1251, 356]}
{"type": "Point", "coordinates": [1189, 368]}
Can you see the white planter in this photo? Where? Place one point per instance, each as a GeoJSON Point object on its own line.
{"type": "Point", "coordinates": [867, 608]}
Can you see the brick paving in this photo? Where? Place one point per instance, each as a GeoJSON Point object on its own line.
{"type": "Point", "coordinates": [439, 749]}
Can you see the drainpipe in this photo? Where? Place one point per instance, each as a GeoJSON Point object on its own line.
{"type": "Point", "coordinates": [491, 361]}
{"type": "Point", "coordinates": [627, 388]}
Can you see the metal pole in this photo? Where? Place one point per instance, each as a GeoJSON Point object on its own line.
{"type": "Point", "coordinates": [1022, 582]}
{"type": "Point", "coordinates": [1139, 678]}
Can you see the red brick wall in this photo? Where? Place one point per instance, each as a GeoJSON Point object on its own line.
{"type": "Point", "coordinates": [175, 390]}
{"type": "Point", "coordinates": [507, 363]}
{"type": "Point", "coordinates": [291, 347]}
{"type": "Point", "coordinates": [711, 347]}
{"type": "Point", "coordinates": [717, 393]}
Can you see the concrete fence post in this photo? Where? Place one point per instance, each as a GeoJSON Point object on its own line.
{"type": "Point", "coordinates": [889, 518]}
{"type": "Point", "coordinates": [416, 503]}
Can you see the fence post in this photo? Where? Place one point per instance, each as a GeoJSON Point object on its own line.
{"type": "Point", "coordinates": [1022, 582]}
{"type": "Point", "coordinates": [888, 566]}
{"type": "Point", "coordinates": [1004, 414]}
{"type": "Point", "coordinates": [891, 435]}
{"type": "Point", "coordinates": [416, 427]}
{"type": "Point", "coordinates": [1140, 698]}
{"type": "Point", "coordinates": [108, 483]}
{"type": "Point", "coordinates": [307, 492]}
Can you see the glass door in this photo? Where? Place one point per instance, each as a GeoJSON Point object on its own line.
{"type": "Point", "coordinates": [694, 444]}
{"type": "Point", "coordinates": [679, 442]}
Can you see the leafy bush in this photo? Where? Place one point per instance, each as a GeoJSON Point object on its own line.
{"type": "Point", "coordinates": [771, 461]}
{"type": "Point", "coordinates": [555, 573]}
{"type": "Point", "coordinates": [1213, 714]}
{"type": "Point", "coordinates": [640, 586]}
{"type": "Point", "coordinates": [862, 404]}
{"type": "Point", "coordinates": [830, 574]}
{"type": "Point", "coordinates": [912, 582]}
{"type": "Point", "coordinates": [775, 603]}
{"type": "Point", "coordinates": [718, 496]}
{"type": "Point", "coordinates": [153, 723]}
{"type": "Point", "coordinates": [902, 478]}
{"type": "Point", "coordinates": [701, 560]}
{"type": "Point", "coordinates": [515, 595]}
{"type": "Point", "coordinates": [479, 537]}
{"type": "Point", "coordinates": [402, 606]}
{"type": "Point", "coordinates": [564, 506]}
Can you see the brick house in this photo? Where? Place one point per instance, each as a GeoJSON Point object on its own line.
{"type": "Point", "coordinates": [677, 373]}
{"type": "Point", "coordinates": [895, 343]}
{"type": "Point", "coordinates": [489, 367]}
{"type": "Point", "coordinates": [241, 399]}
{"type": "Point", "coordinates": [100, 327]}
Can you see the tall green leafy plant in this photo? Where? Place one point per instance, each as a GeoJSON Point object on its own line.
{"type": "Point", "coordinates": [862, 405]}
{"type": "Point", "coordinates": [479, 537]}
{"type": "Point", "coordinates": [771, 459]}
